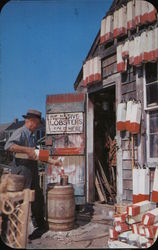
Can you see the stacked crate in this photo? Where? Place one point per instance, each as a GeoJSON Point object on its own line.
{"type": "Point", "coordinates": [137, 226]}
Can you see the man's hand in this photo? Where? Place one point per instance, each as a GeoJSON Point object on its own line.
{"type": "Point", "coordinates": [31, 153]}
{"type": "Point", "coordinates": [57, 163]}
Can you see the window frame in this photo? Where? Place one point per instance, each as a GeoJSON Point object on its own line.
{"type": "Point", "coordinates": [152, 161]}
{"type": "Point", "coordinates": [146, 108]}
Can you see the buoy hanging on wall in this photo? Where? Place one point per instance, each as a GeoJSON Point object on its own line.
{"type": "Point", "coordinates": [129, 114]}
{"type": "Point", "coordinates": [121, 116]}
{"type": "Point", "coordinates": [140, 184]}
{"type": "Point", "coordinates": [135, 185]}
{"type": "Point", "coordinates": [135, 118]}
{"type": "Point", "coordinates": [130, 16]}
{"type": "Point", "coordinates": [143, 184]}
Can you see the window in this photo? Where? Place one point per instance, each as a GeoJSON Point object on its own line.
{"type": "Point", "coordinates": [151, 107]}
{"type": "Point", "coordinates": [151, 71]}
{"type": "Point", "coordinates": [129, 75]}
{"type": "Point", "coordinates": [153, 134]}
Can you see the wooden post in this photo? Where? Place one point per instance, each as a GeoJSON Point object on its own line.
{"type": "Point", "coordinates": [132, 137]}
{"type": "Point", "coordinates": [101, 186]}
{"type": "Point", "coordinates": [89, 151]}
{"type": "Point", "coordinates": [28, 197]}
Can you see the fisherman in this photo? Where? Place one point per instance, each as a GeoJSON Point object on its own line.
{"type": "Point", "coordinates": [23, 141]}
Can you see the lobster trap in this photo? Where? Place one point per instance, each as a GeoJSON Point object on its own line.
{"type": "Point", "coordinates": [15, 208]}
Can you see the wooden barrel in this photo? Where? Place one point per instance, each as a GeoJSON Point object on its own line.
{"type": "Point", "coordinates": [15, 183]}
{"type": "Point", "coordinates": [60, 207]}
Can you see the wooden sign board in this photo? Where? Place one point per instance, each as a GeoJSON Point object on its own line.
{"type": "Point", "coordinates": [60, 123]}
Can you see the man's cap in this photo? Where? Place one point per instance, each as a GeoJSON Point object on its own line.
{"type": "Point", "coordinates": [32, 113]}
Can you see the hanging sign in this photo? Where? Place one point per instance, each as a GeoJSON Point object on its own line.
{"type": "Point", "coordinates": [64, 123]}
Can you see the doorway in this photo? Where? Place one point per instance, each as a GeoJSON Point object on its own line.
{"type": "Point", "coordinates": [105, 144]}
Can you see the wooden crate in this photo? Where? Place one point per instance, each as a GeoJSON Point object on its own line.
{"type": "Point", "coordinates": [120, 208]}
{"type": "Point", "coordinates": [18, 216]}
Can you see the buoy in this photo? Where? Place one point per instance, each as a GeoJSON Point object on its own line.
{"type": "Point", "coordinates": [135, 118]}
{"type": "Point", "coordinates": [129, 114]}
{"type": "Point", "coordinates": [121, 116]}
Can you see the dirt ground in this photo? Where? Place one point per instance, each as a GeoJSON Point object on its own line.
{"type": "Point", "coordinates": [90, 230]}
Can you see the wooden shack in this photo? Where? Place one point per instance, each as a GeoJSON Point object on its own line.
{"type": "Point", "coordinates": [122, 65]}
{"type": "Point", "coordinates": [104, 161]}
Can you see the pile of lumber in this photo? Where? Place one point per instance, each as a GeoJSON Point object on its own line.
{"type": "Point", "coordinates": [136, 227]}
{"type": "Point", "coordinates": [112, 152]}
{"type": "Point", "coordinates": [106, 192]}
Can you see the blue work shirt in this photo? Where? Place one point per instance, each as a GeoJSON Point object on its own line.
{"type": "Point", "coordinates": [22, 137]}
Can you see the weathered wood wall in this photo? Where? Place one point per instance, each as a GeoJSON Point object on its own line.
{"type": "Point", "coordinates": [129, 84]}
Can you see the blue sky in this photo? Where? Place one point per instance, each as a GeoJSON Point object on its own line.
{"type": "Point", "coordinates": [43, 44]}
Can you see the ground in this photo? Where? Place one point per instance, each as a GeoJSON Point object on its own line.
{"type": "Point", "coordinates": [90, 230]}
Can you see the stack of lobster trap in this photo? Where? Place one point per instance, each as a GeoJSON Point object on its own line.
{"type": "Point", "coordinates": [136, 227]}
{"type": "Point", "coordinates": [136, 224]}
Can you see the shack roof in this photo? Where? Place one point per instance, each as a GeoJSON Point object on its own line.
{"type": "Point", "coordinates": [4, 126]}
{"type": "Point", "coordinates": [15, 125]}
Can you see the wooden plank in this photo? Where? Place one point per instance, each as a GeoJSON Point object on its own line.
{"type": "Point", "coordinates": [94, 87]}
{"type": "Point", "coordinates": [68, 141]}
{"type": "Point", "coordinates": [109, 70]}
{"type": "Point", "coordinates": [127, 195]}
{"type": "Point", "coordinates": [101, 186]}
{"type": "Point", "coordinates": [109, 60]}
{"type": "Point", "coordinates": [126, 155]}
{"type": "Point", "coordinates": [69, 151]}
{"type": "Point", "coordinates": [127, 174]}
{"type": "Point", "coordinates": [115, 68]}
{"type": "Point", "coordinates": [132, 78]}
{"type": "Point", "coordinates": [65, 98]}
{"type": "Point", "coordinates": [127, 88]}
{"type": "Point", "coordinates": [127, 96]}
{"type": "Point", "coordinates": [108, 51]}
{"type": "Point", "coordinates": [142, 136]}
{"type": "Point", "coordinates": [127, 165]}
{"type": "Point", "coordinates": [100, 195]}
{"type": "Point", "coordinates": [126, 145]}
{"type": "Point", "coordinates": [90, 151]}
{"type": "Point", "coordinates": [74, 167]}
{"type": "Point", "coordinates": [106, 183]}
{"type": "Point", "coordinates": [113, 178]}
{"type": "Point", "coordinates": [127, 184]}
{"type": "Point", "coordinates": [65, 107]}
